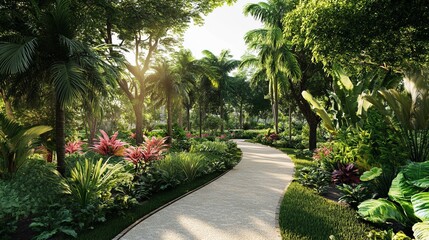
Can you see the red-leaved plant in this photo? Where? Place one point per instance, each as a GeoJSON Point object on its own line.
{"type": "Point", "coordinates": [346, 173]}
{"type": "Point", "coordinates": [74, 147]}
{"type": "Point", "coordinates": [151, 150]}
{"type": "Point", "coordinates": [109, 146]}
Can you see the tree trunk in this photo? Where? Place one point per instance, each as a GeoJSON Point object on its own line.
{"type": "Point", "coordinates": [221, 117]}
{"type": "Point", "coordinates": [169, 120]}
{"type": "Point", "coordinates": [313, 134]}
{"type": "Point", "coordinates": [138, 111]}
{"type": "Point", "coordinates": [241, 115]}
{"type": "Point", "coordinates": [180, 118]}
{"type": "Point", "coordinates": [201, 121]}
{"type": "Point", "coordinates": [276, 108]}
{"type": "Point", "coordinates": [188, 118]}
{"type": "Point", "coordinates": [290, 124]}
{"type": "Point", "coordinates": [60, 137]}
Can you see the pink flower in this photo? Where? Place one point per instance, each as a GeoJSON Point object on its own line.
{"type": "Point", "coordinates": [109, 146]}
{"type": "Point", "coordinates": [133, 135]}
{"type": "Point", "coordinates": [72, 147]}
{"type": "Point", "coordinates": [188, 135]}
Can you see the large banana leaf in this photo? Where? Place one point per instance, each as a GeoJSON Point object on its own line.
{"type": "Point", "coordinates": [381, 211]}
{"type": "Point", "coordinates": [421, 230]}
{"type": "Point", "coordinates": [417, 174]}
{"type": "Point", "coordinates": [420, 203]}
{"type": "Point", "coordinates": [401, 189]}
{"type": "Point", "coordinates": [320, 111]}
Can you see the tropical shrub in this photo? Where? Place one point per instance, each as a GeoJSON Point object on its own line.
{"type": "Point", "coordinates": [314, 177]}
{"type": "Point", "coordinates": [353, 194]}
{"type": "Point", "coordinates": [34, 187]}
{"type": "Point", "coordinates": [74, 147]}
{"type": "Point", "coordinates": [16, 143]}
{"type": "Point", "coordinates": [346, 173]}
{"type": "Point", "coordinates": [213, 147]}
{"type": "Point", "coordinates": [109, 146]}
{"type": "Point", "coordinates": [387, 235]}
{"type": "Point", "coordinates": [192, 165]}
{"type": "Point", "coordinates": [408, 202]}
{"type": "Point", "coordinates": [56, 220]}
{"type": "Point", "coordinates": [410, 109]}
{"type": "Point", "coordinates": [92, 183]}
{"type": "Point", "coordinates": [152, 149]}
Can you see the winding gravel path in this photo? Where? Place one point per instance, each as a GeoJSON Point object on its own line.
{"type": "Point", "coordinates": [240, 205]}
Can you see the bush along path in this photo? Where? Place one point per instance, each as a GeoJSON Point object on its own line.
{"type": "Point", "coordinates": [240, 205]}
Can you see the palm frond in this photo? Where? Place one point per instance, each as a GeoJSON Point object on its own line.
{"type": "Point", "coordinates": [68, 81]}
{"type": "Point", "coordinates": [17, 57]}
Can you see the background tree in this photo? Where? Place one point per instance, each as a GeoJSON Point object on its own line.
{"type": "Point", "coordinates": [50, 52]}
{"type": "Point", "coordinates": [221, 66]}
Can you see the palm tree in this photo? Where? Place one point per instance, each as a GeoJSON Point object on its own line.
{"type": "Point", "coordinates": [188, 70]}
{"type": "Point", "coordinates": [165, 87]}
{"type": "Point", "coordinates": [220, 67]}
{"type": "Point", "coordinates": [275, 58]}
{"type": "Point", "coordinates": [51, 54]}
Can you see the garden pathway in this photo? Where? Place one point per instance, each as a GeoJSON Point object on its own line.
{"type": "Point", "coordinates": [242, 204]}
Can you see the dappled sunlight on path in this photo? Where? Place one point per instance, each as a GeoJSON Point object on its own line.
{"type": "Point", "coordinates": [239, 205]}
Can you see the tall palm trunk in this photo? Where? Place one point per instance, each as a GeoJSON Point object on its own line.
{"type": "Point", "coordinates": [201, 120]}
{"type": "Point", "coordinates": [169, 119]}
{"type": "Point", "coordinates": [241, 115]}
{"type": "Point", "coordinates": [60, 137]}
{"type": "Point", "coordinates": [276, 107]}
{"type": "Point", "coordinates": [188, 118]}
{"type": "Point", "coordinates": [290, 124]}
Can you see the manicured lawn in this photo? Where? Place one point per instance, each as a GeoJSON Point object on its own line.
{"type": "Point", "coordinates": [305, 215]}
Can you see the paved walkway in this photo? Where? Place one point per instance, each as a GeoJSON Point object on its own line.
{"type": "Point", "coordinates": [239, 205]}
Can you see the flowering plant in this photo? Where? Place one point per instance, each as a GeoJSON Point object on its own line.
{"type": "Point", "coordinates": [109, 146]}
{"type": "Point", "coordinates": [74, 147]}
{"type": "Point", "coordinates": [151, 150]}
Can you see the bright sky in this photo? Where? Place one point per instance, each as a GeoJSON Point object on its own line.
{"type": "Point", "coordinates": [224, 28]}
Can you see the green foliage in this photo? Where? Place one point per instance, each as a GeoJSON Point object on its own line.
{"type": "Point", "coordinates": [387, 235]}
{"type": "Point", "coordinates": [371, 174]}
{"type": "Point", "coordinates": [408, 199]}
{"type": "Point", "coordinates": [191, 165]}
{"type": "Point", "coordinates": [16, 143]}
{"type": "Point", "coordinates": [304, 215]}
{"type": "Point", "coordinates": [91, 183]}
{"type": "Point", "coordinates": [353, 194]}
{"type": "Point", "coordinates": [55, 220]}
{"type": "Point", "coordinates": [34, 187]}
{"type": "Point", "coordinates": [410, 109]}
{"type": "Point", "coordinates": [314, 177]}
{"type": "Point", "coordinates": [208, 146]}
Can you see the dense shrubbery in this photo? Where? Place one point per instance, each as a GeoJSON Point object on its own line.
{"type": "Point", "coordinates": [106, 178]}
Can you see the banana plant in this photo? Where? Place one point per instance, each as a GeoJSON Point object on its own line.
{"type": "Point", "coordinates": [408, 201]}
{"type": "Point", "coordinates": [410, 108]}
{"type": "Point", "coordinates": [346, 107]}
{"type": "Point", "coordinates": [16, 143]}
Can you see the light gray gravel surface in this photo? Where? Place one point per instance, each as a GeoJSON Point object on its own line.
{"type": "Point", "coordinates": [240, 205]}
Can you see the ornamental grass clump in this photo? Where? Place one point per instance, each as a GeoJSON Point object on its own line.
{"type": "Point", "coordinates": [109, 146]}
